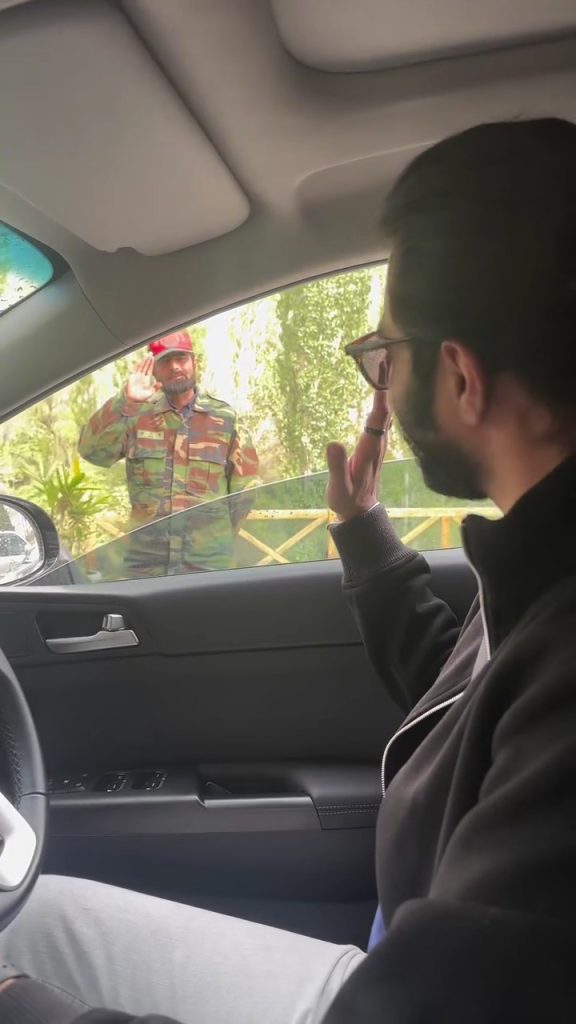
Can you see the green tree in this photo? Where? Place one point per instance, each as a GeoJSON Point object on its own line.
{"type": "Point", "coordinates": [254, 334]}
{"type": "Point", "coordinates": [314, 391]}
{"type": "Point", "coordinates": [82, 400]}
{"type": "Point", "coordinates": [197, 335]}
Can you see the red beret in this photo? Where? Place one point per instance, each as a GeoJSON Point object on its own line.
{"type": "Point", "coordinates": [177, 342]}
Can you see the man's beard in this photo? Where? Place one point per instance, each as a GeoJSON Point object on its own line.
{"type": "Point", "coordinates": [179, 386]}
{"type": "Point", "coordinates": [445, 468]}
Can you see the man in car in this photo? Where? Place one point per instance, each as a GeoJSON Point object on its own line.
{"type": "Point", "coordinates": [476, 853]}
{"type": "Point", "coordinates": [182, 448]}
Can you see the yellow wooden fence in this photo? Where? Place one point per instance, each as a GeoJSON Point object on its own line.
{"type": "Point", "coordinates": [315, 518]}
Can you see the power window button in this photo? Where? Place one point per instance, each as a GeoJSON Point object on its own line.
{"type": "Point", "coordinates": [149, 780]}
{"type": "Point", "coordinates": [112, 782]}
{"type": "Point", "coordinates": [68, 783]}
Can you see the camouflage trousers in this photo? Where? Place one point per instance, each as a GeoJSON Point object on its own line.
{"type": "Point", "coordinates": [196, 540]}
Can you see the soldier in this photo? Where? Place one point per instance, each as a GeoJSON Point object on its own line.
{"type": "Point", "coordinates": [182, 448]}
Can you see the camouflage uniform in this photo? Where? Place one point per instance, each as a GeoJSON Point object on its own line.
{"type": "Point", "coordinates": [175, 461]}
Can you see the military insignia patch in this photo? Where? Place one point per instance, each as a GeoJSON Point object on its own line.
{"type": "Point", "coordinates": [150, 435]}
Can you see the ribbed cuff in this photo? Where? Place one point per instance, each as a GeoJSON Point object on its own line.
{"type": "Point", "coordinates": [367, 545]}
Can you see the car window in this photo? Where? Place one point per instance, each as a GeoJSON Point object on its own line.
{"type": "Point", "coordinates": [208, 452]}
{"type": "Point", "coordinates": [24, 268]}
{"type": "Point", "coordinates": [287, 522]}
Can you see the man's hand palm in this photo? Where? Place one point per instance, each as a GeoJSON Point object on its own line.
{"type": "Point", "coordinates": [353, 482]}
{"type": "Point", "coordinates": [141, 385]}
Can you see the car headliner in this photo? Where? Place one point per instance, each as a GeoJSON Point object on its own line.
{"type": "Point", "coordinates": [187, 155]}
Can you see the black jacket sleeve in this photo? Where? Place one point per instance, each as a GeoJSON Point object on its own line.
{"type": "Point", "coordinates": [408, 632]}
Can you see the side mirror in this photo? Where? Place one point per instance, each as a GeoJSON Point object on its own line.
{"type": "Point", "coordinates": [29, 543]}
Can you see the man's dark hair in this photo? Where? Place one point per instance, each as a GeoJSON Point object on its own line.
{"type": "Point", "coordinates": [483, 228]}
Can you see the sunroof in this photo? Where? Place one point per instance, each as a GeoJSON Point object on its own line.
{"type": "Point", "coordinates": [24, 268]}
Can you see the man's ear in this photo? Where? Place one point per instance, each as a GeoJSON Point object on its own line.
{"type": "Point", "coordinates": [464, 382]}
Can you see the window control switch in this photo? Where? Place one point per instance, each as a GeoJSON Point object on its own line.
{"type": "Point", "coordinates": [149, 780]}
{"type": "Point", "coordinates": [75, 783]}
{"type": "Point", "coordinates": [111, 782]}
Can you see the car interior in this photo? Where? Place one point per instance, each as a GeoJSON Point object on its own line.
{"type": "Point", "coordinates": [178, 158]}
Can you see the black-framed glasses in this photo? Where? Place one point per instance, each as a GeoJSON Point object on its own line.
{"type": "Point", "coordinates": [370, 353]}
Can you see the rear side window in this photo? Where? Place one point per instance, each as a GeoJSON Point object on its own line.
{"type": "Point", "coordinates": [24, 268]}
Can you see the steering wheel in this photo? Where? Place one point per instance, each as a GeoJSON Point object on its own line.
{"type": "Point", "coordinates": [23, 810]}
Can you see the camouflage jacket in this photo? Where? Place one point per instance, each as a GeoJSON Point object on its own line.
{"type": "Point", "coordinates": [175, 462]}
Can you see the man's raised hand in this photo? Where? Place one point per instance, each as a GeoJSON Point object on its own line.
{"type": "Point", "coordinates": [353, 482]}
{"type": "Point", "coordinates": [141, 385]}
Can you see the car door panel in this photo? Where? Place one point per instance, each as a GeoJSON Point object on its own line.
{"type": "Point", "coordinates": [251, 691]}
{"type": "Point", "coordinates": [228, 797]}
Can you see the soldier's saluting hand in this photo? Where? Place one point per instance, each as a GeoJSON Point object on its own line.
{"type": "Point", "coordinates": [141, 385]}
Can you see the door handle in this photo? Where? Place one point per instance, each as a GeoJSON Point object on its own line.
{"type": "Point", "coordinates": [113, 634]}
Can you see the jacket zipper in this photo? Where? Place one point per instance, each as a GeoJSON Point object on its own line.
{"type": "Point", "coordinates": [445, 703]}
{"type": "Point", "coordinates": [405, 728]}
{"type": "Point", "coordinates": [480, 592]}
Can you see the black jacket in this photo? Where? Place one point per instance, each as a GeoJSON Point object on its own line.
{"type": "Point", "coordinates": [476, 846]}
{"type": "Point", "coordinates": [476, 843]}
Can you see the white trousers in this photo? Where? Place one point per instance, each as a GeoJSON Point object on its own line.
{"type": "Point", "coordinates": [126, 951]}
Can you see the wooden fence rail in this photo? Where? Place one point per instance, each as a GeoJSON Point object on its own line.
{"type": "Point", "coordinates": [315, 518]}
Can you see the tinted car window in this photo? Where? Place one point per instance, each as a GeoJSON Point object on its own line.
{"type": "Point", "coordinates": [287, 522]}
